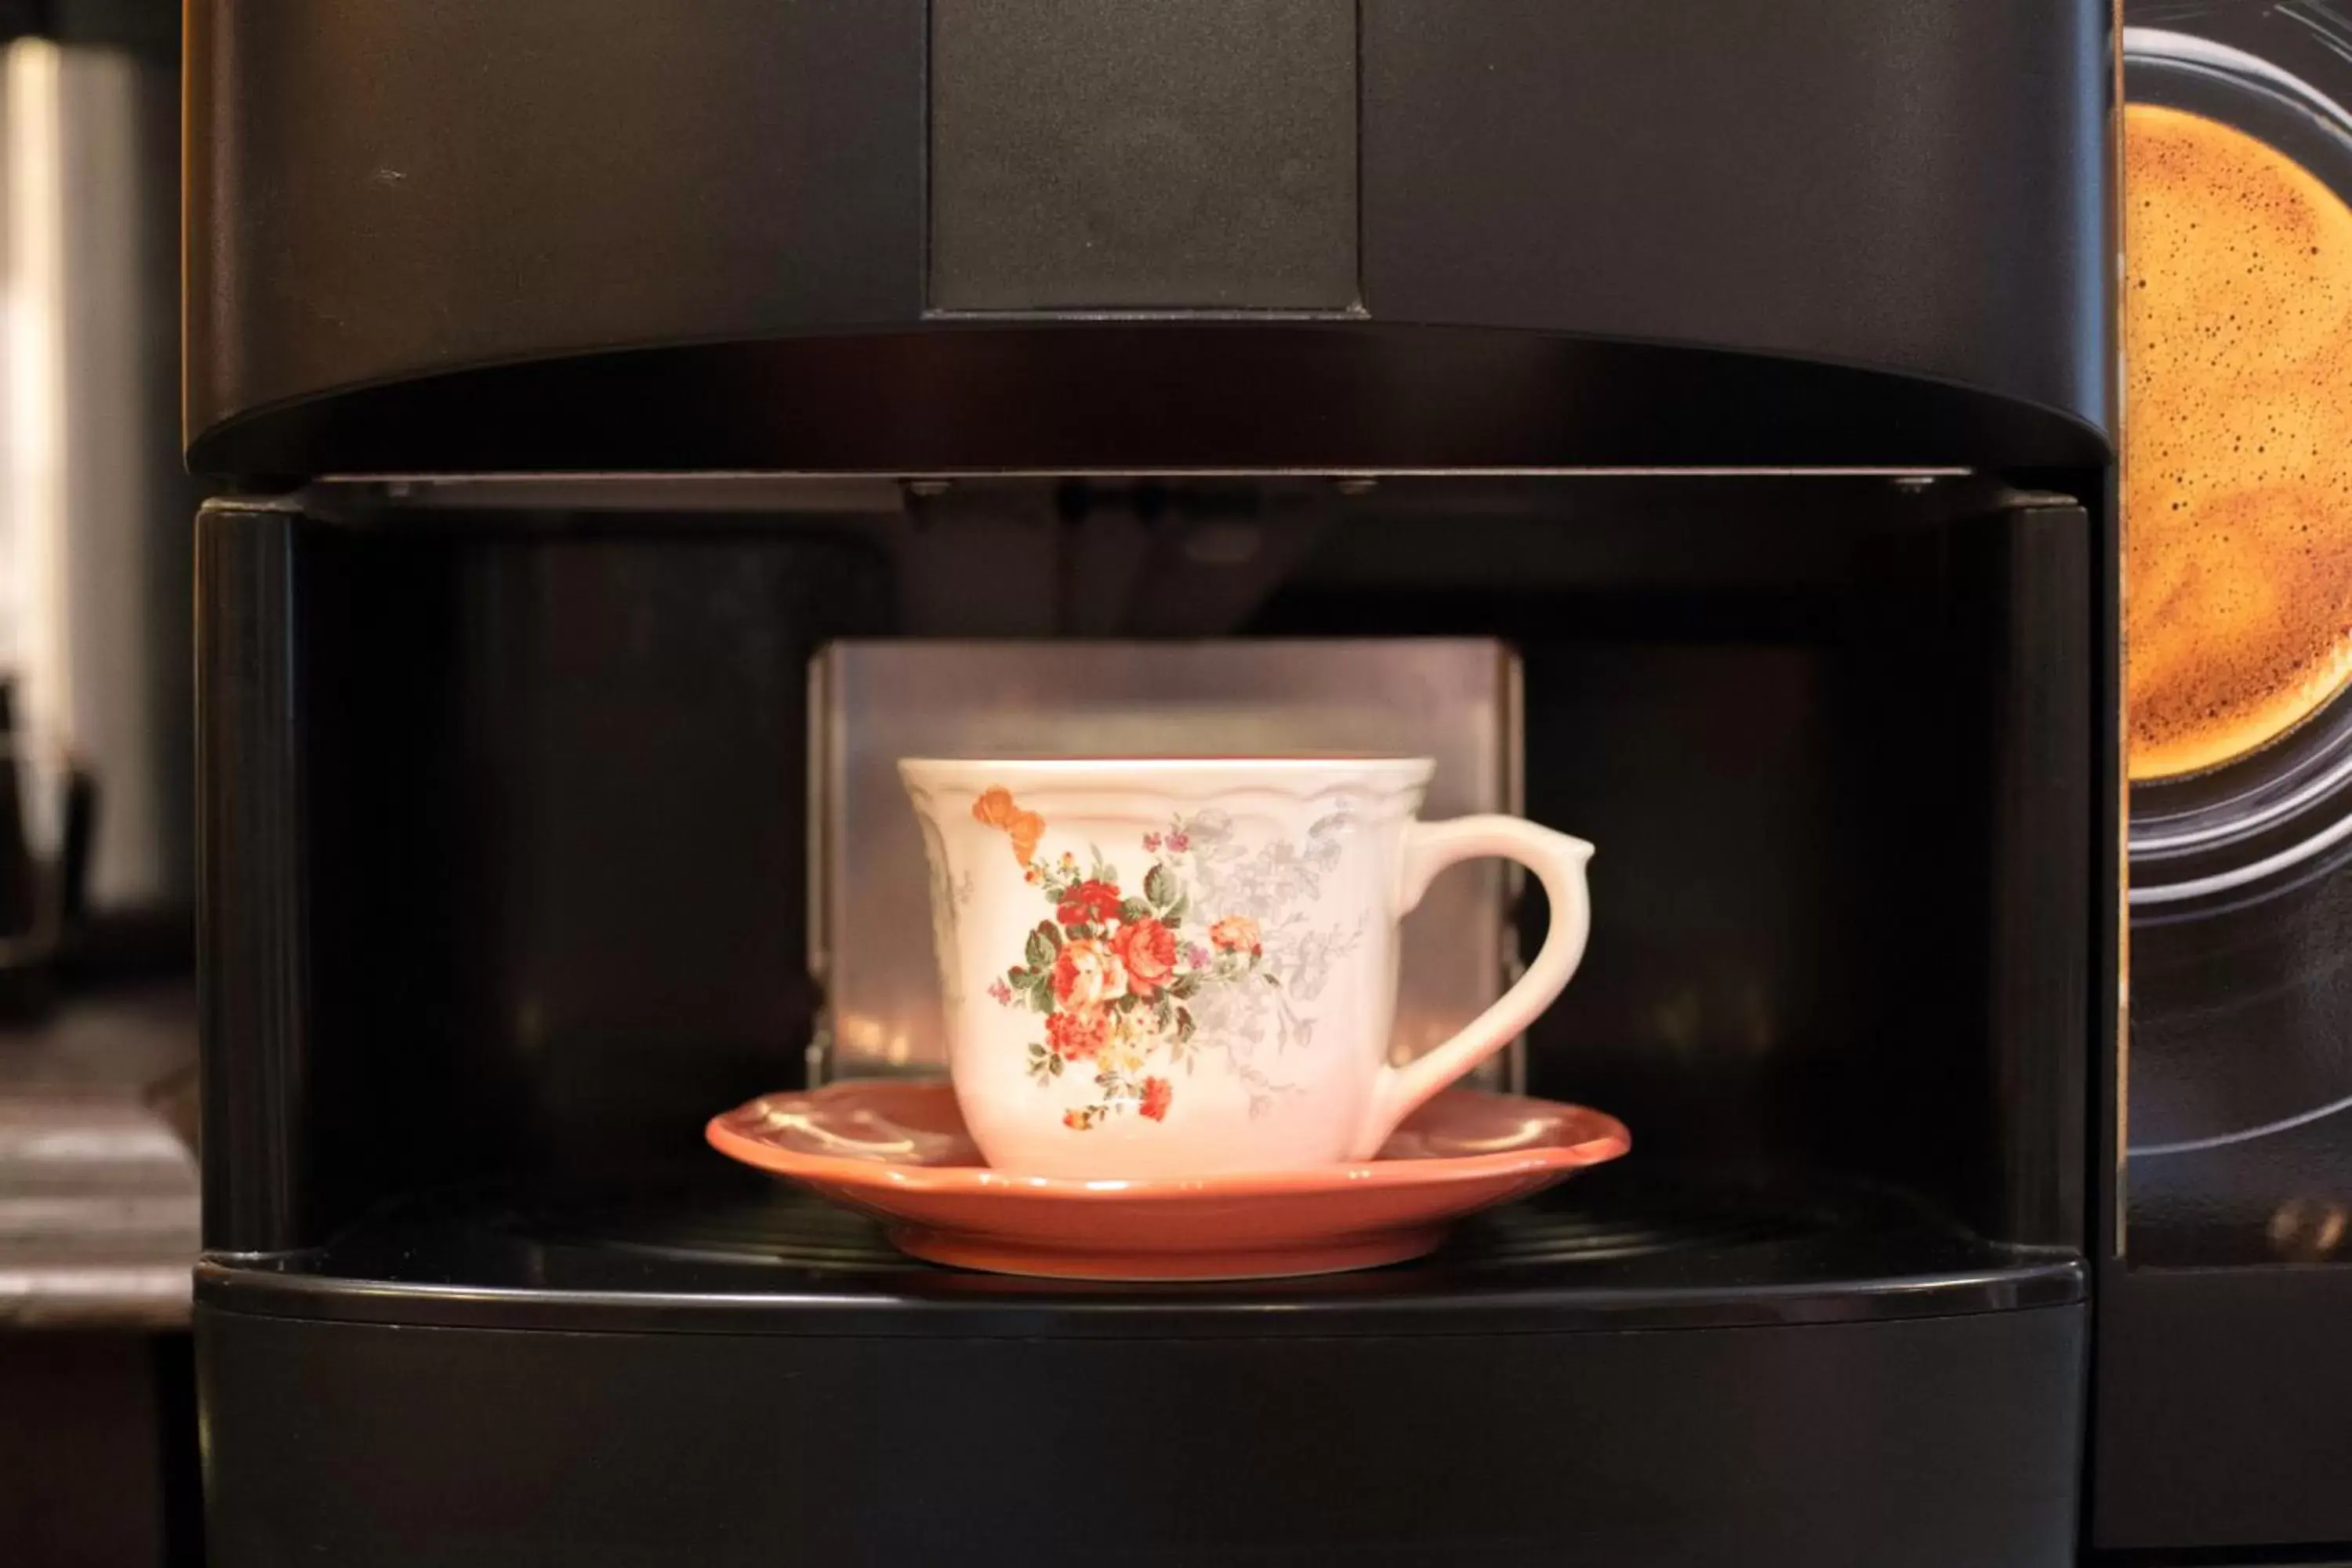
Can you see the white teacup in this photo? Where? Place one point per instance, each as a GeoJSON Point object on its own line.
{"type": "Point", "coordinates": [1186, 967]}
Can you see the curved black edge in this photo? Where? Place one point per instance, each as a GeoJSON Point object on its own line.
{"type": "Point", "coordinates": [1147, 396]}
{"type": "Point", "coordinates": [981, 1305]}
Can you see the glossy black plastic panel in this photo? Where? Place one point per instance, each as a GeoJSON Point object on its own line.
{"type": "Point", "coordinates": [2047, 789]}
{"type": "Point", "coordinates": [1944, 1442]}
{"type": "Point", "coordinates": [388, 190]}
{"type": "Point", "coordinates": [1921, 186]}
{"type": "Point", "coordinates": [253, 926]}
{"type": "Point", "coordinates": [384, 188]}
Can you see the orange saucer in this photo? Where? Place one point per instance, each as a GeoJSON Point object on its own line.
{"type": "Point", "coordinates": [896, 1149]}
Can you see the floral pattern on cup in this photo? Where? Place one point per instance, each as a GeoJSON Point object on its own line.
{"type": "Point", "coordinates": [1133, 985]}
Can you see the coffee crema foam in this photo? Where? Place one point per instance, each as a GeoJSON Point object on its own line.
{"type": "Point", "coordinates": [2237, 442]}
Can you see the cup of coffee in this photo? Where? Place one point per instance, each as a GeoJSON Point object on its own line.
{"type": "Point", "coordinates": [1168, 967]}
{"type": "Point", "coordinates": [2237, 473]}
{"type": "Point", "coordinates": [2239, 446]}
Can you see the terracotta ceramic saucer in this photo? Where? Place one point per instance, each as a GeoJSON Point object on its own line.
{"type": "Point", "coordinates": [897, 1150]}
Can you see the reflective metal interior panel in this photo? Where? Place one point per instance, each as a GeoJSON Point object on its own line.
{"type": "Point", "coordinates": [874, 702]}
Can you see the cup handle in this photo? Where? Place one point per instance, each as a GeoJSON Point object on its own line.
{"type": "Point", "coordinates": [1557, 861]}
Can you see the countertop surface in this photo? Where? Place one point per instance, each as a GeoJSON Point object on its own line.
{"type": "Point", "coordinates": [97, 1172]}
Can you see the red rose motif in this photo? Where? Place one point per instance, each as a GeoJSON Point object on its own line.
{"type": "Point", "coordinates": [1078, 1035]}
{"type": "Point", "coordinates": [1087, 974]}
{"type": "Point", "coordinates": [1089, 903]}
{"type": "Point", "coordinates": [1147, 949]}
{"type": "Point", "coordinates": [1157, 1093]}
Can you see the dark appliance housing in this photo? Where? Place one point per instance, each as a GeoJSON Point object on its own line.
{"type": "Point", "coordinates": [580, 376]}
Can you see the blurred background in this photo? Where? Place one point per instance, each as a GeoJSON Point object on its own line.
{"type": "Point", "coordinates": [98, 1186]}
